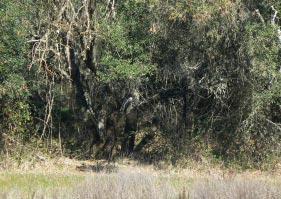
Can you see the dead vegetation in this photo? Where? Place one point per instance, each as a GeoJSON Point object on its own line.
{"type": "Point", "coordinates": [134, 185]}
{"type": "Point", "coordinates": [234, 189]}
{"type": "Point", "coordinates": [129, 180]}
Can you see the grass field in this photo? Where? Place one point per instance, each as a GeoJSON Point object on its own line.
{"type": "Point", "coordinates": [134, 181]}
{"type": "Point", "coordinates": [25, 185]}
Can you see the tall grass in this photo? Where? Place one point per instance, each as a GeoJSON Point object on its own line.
{"type": "Point", "coordinates": [125, 185]}
{"type": "Point", "coordinates": [139, 184]}
{"type": "Point", "coordinates": [234, 189]}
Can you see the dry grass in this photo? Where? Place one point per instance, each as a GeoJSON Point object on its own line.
{"type": "Point", "coordinates": [125, 185]}
{"type": "Point", "coordinates": [135, 185]}
{"type": "Point", "coordinates": [234, 189]}
{"type": "Point", "coordinates": [132, 181]}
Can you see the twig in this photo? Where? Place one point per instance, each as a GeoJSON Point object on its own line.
{"type": "Point", "coordinates": [259, 15]}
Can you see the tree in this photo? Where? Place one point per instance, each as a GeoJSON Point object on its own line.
{"type": "Point", "coordinates": [14, 91]}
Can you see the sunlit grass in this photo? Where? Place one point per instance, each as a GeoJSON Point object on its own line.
{"type": "Point", "coordinates": [137, 182]}
{"type": "Point", "coordinates": [29, 182]}
{"type": "Point", "coordinates": [178, 182]}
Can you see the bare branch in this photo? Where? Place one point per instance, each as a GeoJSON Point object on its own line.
{"type": "Point", "coordinates": [259, 15]}
{"type": "Point", "coordinates": [273, 18]}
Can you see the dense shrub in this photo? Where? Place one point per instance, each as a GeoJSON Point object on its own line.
{"type": "Point", "coordinates": [178, 79]}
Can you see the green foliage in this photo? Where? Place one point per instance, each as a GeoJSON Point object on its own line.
{"type": "Point", "coordinates": [210, 70]}
{"type": "Point", "coordinates": [263, 49]}
{"type": "Point", "coordinates": [260, 132]}
{"type": "Point", "coordinates": [237, 80]}
{"type": "Point", "coordinates": [14, 107]}
{"type": "Point", "coordinates": [123, 69]}
{"type": "Point", "coordinates": [126, 40]}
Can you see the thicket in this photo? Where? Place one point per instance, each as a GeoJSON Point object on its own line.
{"type": "Point", "coordinates": [153, 79]}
